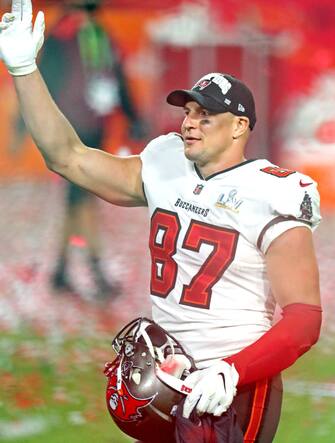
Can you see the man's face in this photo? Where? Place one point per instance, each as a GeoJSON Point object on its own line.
{"type": "Point", "coordinates": [206, 135]}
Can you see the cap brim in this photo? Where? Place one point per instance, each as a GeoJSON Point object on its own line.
{"type": "Point", "coordinates": [180, 97]}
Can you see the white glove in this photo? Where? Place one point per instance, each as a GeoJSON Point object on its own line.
{"type": "Point", "coordinates": [19, 41]}
{"type": "Point", "coordinates": [213, 389]}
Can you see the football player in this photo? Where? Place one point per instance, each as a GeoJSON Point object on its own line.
{"type": "Point", "coordinates": [230, 237]}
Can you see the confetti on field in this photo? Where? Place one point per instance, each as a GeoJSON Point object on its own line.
{"type": "Point", "coordinates": [317, 390]}
{"type": "Point", "coordinates": [11, 430]}
{"type": "Point", "coordinates": [30, 228]}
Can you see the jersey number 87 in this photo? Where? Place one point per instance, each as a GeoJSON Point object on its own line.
{"type": "Point", "coordinates": [164, 233]}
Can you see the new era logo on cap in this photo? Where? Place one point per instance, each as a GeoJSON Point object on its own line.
{"type": "Point", "coordinates": [218, 93]}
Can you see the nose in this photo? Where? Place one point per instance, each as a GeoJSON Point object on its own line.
{"type": "Point", "coordinates": [189, 122]}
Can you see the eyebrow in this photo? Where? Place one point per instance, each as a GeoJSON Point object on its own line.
{"type": "Point", "coordinates": [197, 108]}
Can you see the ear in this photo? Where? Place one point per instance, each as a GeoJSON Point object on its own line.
{"type": "Point", "coordinates": [241, 126]}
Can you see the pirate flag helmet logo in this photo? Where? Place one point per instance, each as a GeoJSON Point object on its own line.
{"type": "Point", "coordinates": [122, 404]}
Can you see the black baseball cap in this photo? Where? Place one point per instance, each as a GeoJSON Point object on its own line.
{"type": "Point", "coordinates": [218, 93]}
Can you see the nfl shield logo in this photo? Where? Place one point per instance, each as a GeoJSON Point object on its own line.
{"type": "Point", "coordinates": [202, 84]}
{"type": "Point", "coordinates": [198, 189]}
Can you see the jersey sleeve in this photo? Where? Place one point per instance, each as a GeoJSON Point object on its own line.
{"type": "Point", "coordinates": [293, 203]}
{"type": "Point", "coordinates": [149, 152]}
{"type": "Point", "coordinates": [159, 157]}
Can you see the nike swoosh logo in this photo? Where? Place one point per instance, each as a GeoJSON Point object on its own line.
{"type": "Point", "coordinates": [302, 184]}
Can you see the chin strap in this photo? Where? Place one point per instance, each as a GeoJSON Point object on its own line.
{"type": "Point", "coordinates": [119, 376]}
{"type": "Point", "coordinates": [175, 383]}
{"type": "Point", "coordinates": [172, 370]}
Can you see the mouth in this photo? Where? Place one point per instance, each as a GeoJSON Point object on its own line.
{"type": "Point", "coordinates": [191, 140]}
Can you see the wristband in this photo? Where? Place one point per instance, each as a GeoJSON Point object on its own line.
{"type": "Point", "coordinates": [22, 70]}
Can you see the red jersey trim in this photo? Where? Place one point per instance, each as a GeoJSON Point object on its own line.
{"type": "Point", "coordinates": [257, 411]}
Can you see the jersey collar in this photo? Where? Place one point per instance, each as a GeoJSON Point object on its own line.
{"type": "Point", "coordinates": [223, 171]}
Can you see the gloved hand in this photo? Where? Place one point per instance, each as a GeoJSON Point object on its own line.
{"type": "Point", "coordinates": [213, 389]}
{"type": "Point", "coordinates": [19, 41]}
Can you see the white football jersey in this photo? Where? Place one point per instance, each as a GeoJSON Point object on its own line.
{"type": "Point", "coordinates": [208, 240]}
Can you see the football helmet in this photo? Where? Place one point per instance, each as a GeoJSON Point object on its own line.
{"type": "Point", "coordinates": [145, 381]}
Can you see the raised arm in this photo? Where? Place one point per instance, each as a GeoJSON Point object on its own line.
{"type": "Point", "coordinates": [116, 179]}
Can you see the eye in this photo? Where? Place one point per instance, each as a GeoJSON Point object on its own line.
{"type": "Point", "coordinates": [205, 113]}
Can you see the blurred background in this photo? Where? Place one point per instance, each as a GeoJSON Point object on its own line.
{"type": "Point", "coordinates": [73, 270]}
